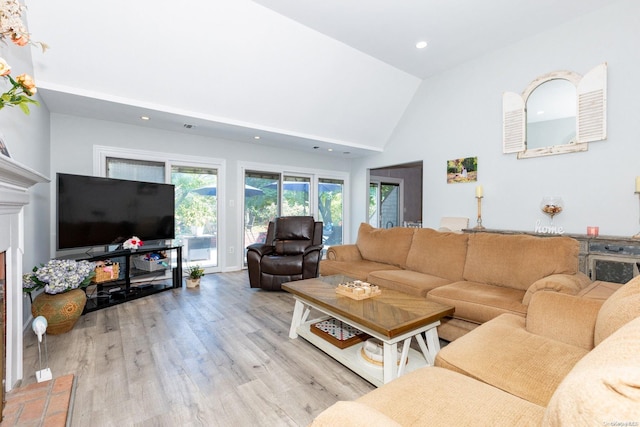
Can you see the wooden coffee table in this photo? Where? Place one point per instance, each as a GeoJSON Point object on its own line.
{"type": "Point", "coordinates": [391, 317]}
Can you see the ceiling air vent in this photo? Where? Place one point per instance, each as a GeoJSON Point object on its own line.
{"type": "Point", "coordinates": [189, 126]}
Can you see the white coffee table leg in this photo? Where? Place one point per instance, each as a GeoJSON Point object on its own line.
{"type": "Point", "coordinates": [431, 347]}
{"type": "Point", "coordinates": [404, 357]}
{"type": "Point", "coordinates": [389, 362]}
{"type": "Point", "coordinates": [297, 319]}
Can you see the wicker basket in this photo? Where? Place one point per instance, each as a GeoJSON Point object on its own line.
{"type": "Point", "coordinates": [107, 273]}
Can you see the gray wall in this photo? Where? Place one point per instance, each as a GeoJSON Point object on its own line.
{"type": "Point", "coordinates": [459, 114]}
{"type": "Point", "coordinates": [27, 139]}
{"type": "Point", "coordinates": [412, 176]}
{"type": "Point", "coordinates": [73, 139]}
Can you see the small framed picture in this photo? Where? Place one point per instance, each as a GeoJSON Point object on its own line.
{"type": "Point", "coordinates": [462, 170]}
{"type": "Point", "coordinates": [3, 147]}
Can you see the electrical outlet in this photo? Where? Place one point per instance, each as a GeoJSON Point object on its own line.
{"type": "Point", "coordinates": [231, 249]}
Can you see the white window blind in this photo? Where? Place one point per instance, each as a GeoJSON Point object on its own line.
{"type": "Point", "coordinates": [137, 170]}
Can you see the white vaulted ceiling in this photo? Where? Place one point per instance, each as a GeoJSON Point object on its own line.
{"type": "Point", "coordinates": [298, 73]}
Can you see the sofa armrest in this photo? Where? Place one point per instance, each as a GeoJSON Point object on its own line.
{"type": "Point", "coordinates": [344, 253]}
{"type": "Point", "coordinates": [566, 318]}
{"type": "Point", "coordinates": [353, 414]}
{"type": "Point", "coordinates": [261, 249]}
{"type": "Point", "coordinates": [570, 284]}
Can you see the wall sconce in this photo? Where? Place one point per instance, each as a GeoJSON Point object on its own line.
{"type": "Point", "coordinates": [39, 326]}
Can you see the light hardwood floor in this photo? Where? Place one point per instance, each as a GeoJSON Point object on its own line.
{"type": "Point", "coordinates": [218, 355]}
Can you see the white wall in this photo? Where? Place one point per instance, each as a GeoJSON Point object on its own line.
{"type": "Point", "coordinates": [232, 61]}
{"type": "Point", "coordinates": [73, 138]}
{"type": "Point", "coordinates": [459, 114]}
{"type": "Point", "coordinates": [27, 138]}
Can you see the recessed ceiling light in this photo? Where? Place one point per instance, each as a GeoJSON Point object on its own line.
{"type": "Point", "coordinates": [329, 149]}
{"type": "Point", "coordinates": [421, 44]}
{"type": "Point", "coordinates": [256, 137]}
{"type": "Point", "coordinates": [189, 126]}
{"type": "Point", "coordinates": [144, 118]}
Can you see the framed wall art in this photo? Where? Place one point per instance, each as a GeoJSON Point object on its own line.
{"type": "Point", "coordinates": [462, 170]}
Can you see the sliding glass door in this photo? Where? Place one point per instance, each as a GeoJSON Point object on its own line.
{"type": "Point", "coordinates": [331, 210]}
{"type": "Point", "coordinates": [261, 204]}
{"type": "Point", "coordinates": [268, 195]}
{"type": "Point", "coordinates": [196, 190]}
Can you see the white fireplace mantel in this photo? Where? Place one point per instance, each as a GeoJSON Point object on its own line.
{"type": "Point", "coordinates": [15, 180]}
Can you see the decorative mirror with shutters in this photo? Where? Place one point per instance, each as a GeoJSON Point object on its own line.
{"type": "Point", "coordinates": [558, 113]}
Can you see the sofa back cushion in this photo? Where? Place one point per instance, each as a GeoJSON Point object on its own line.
{"type": "Point", "coordinates": [518, 260]}
{"type": "Point", "coordinates": [603, 388]}
{"type": "Point", "coordinates": [440, 254]}
{"type": "Point", "coordinates": [618, 309]}
{"type": "Point", "coordinates": [389, 246]}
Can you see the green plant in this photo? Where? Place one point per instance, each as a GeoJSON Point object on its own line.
{"type": "Point", "coordinates": [195, 272]}
{"type": "Point", "coordinates": [195, 210]}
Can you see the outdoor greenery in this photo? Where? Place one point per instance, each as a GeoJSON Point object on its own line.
{"type": "Point", "coordinates": [263, 208]}
{"type": "Point", "coordinates": [261, 205]}
{"type": "Point", "coordinates": [193, 209]}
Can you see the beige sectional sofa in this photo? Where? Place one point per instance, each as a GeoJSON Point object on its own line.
{"type": "Point", "coordinates": [483, 275]}
{"type": "Point", "coordinates": [571, 361]}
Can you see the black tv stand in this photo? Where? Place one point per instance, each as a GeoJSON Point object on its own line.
{"type": "Point", "coordinates": [135, 279]}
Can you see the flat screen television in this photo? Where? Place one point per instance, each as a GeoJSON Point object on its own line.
{"type": "Point", "coordinates": [93, 211]}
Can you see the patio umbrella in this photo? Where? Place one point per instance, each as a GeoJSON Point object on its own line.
{"type": "Point", "coordinates": [211, 190]}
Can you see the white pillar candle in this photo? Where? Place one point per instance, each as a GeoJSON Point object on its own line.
{"type": "Point", "coordinates": [479, 191]}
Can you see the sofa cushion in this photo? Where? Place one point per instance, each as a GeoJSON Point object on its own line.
{"type": "Point", "coordinates": [604, 387]}
{"type": "Point", "coordinates": [437, 253]}
{"type": "Point", "coordinates": [407, 281]}
{"type": "Point", "coordinates": [562, 317]}
{"type": "Point", "coordinates": [353, 414]}
{"type": "Point", "coordinates": [503, 354]}
{"type": "Point", "coordinates": [479, 302]}
{"type": "Point", "coordinates": [516, 261]}
{"type": "Point", "coordinates": [359, 270]}
{"type": "Point", "coordinates": [434, 397]}
{"type": "Point", "coordinates": [389, 246]}
{"type": "Point", "coordinates": [618, 309]}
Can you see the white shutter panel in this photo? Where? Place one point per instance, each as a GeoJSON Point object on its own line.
{"type": "Point", "coordinates": [513, 123]}
{"type": "Point", "coordinates": [592, 105]}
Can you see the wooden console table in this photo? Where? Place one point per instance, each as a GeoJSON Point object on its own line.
{"type": "Point", "coordinates": [606, 258]}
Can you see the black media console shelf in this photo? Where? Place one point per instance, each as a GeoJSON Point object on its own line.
{"type": "Point", "coordinates": [135, 279]}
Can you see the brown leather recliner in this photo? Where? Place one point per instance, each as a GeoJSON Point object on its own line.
{"type": "Point", "coordinates": [292, 251]}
